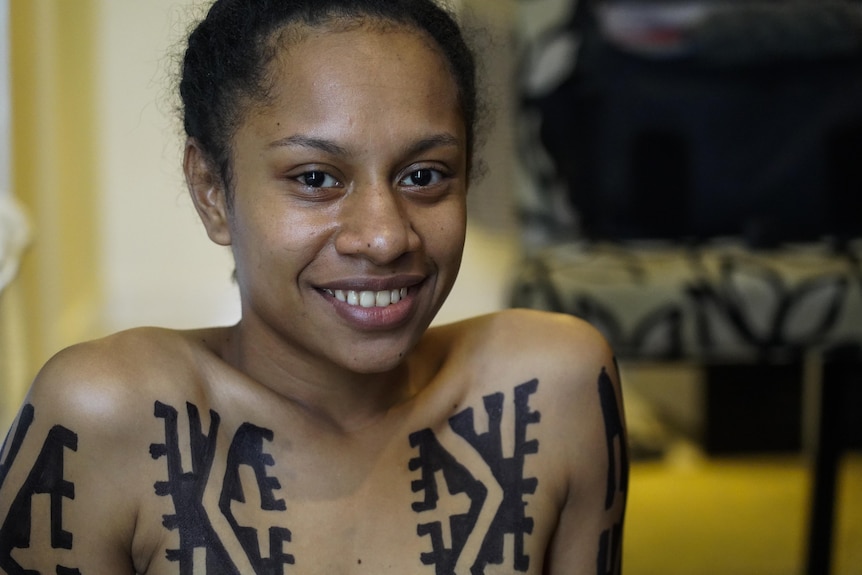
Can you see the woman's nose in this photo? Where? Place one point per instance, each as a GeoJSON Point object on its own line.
{"type": "Point", "coordinates": [374, 225]}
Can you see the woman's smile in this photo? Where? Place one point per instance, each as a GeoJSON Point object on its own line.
{"type": "Point", "coordinates": [373, 310]}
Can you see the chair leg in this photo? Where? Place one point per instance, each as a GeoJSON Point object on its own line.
{"type": "Point", "coordinates": [840, 367]}
{"type": "Point", "coordinates": [825, 470]}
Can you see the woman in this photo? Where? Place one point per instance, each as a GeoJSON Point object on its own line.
{"type": "Point", "coordinates": [330, 144]}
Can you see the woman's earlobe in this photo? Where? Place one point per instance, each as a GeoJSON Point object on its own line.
{"type": "Point", "coordinates": [207, 191]}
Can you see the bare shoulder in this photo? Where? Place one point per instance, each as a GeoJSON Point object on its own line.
{"type": "Point", "coordinates": [103, 382]}
{"type": "Point", "coordinates": [561, 348]}
{"type": "Point", "coordinates": [545, 332]}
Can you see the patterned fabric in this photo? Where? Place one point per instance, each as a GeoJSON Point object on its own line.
{"type": "Point", "coordinates": [721, 302]}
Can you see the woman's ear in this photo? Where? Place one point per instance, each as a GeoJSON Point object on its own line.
{"type": "Point", "coordinates": [207, 191]}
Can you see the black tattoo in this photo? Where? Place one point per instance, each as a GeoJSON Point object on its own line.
{"type": "Point", "coordinates": [610, 543]}
{"type": "Point", "coordinates": [25, 420]}
{"type": "Point", "coordinates": [186, 490]}
{"type": "Point", "coordinates": [45, 478]}
{"type": "Point", "coordinates": [615, 440]}
{"type": "Point", "coordinates": [610, 551]}
{"type": "Point", "coordinates": [247, 449]}
{"type": "Point", "coordinates": [433, 458]}
{"type": "Point", "coordinates": [509, 518]}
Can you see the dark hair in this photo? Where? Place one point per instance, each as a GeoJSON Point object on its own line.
{"type": "Point", "coordinates": [226, 60]}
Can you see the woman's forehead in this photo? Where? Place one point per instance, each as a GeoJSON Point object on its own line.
{"type": "Point", "coordinates": [359, 57]}
{"type": "Point", "coordinates": [364, 76]}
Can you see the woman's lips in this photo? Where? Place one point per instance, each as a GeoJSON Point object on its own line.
{"type": "Point", "coordinates": [373, 309]}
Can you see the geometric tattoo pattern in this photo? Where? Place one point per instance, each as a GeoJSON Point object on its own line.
{"type": "Point", "coordinates": [508, 472]}
{"type": "Point", "coordinates": [186, 489]}
{"type": "Point", "coordinates": [247, 449]}
{"type": "Point", "coordinates": [45, 478]}
{"type": "Point", "coordinates": [610, 542]}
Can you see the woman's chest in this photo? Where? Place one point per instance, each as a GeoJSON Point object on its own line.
{"type": "Point", "coordinates": [432, 516]}
{"type": "Point", "coordinates": [468, 491]}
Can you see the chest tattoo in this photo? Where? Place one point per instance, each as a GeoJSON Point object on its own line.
{"type": "Point", "coordinates": [186, 489]}
{"type": "Point", "coordinates": [504, 486]}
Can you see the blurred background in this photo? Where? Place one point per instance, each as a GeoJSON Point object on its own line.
{"type": "Point", "coordinates": [98, 235]}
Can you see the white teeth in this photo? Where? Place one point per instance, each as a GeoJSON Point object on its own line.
{"type": "Point", "coordinates": [382, 298]}
{"type": "Point", "coordinates": [369, 298]}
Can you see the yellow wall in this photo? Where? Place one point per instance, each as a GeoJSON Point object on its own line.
{"type": "Point", "coordinates": [54, 301]}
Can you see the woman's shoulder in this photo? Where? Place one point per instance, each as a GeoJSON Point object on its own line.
{"type": "Point", "coordinates": [532, 336]}
{"type": "Point", "coordinates": [105, 381]}
{"type": "Point", "coordinates": [563, 354]}
{"type": "Point", "coordinates": [120, 357]}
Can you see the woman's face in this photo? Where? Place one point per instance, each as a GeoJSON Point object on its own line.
{"type": "Point", "coordinates": [349, 187]}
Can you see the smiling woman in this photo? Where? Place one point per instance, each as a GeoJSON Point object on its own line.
{"type": "Point", "coordinates": [329, 146]}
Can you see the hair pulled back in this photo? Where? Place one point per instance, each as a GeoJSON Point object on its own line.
{"type": "Point", "coordinates": [225, 66]}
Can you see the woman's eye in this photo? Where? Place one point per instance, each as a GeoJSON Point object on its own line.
{"type": "Point", "coordinates": [423, 177]}
{"type": "Point", "coordinates": [315, 179]}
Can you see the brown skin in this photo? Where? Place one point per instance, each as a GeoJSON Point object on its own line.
{"type": "Point", "coordinates": [342, 390]}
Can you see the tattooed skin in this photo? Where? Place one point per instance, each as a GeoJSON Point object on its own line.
{"type": "Point", "coordinates": [186, 489]}
{"type": "Point", "coordinates": [247, 449]}
{"type": "Point", "coordinates": [508, 472]}
{"type": "Point", "coordinates": [45, 478]}
{"type": "Point", "coordinates": [194, 526]}
{"type": "Point", "coordinates": [610, 543]}
{"type": "Point", "coordinates": [479, 464]}
{"type": "Point", "coordinates": [24, 423]}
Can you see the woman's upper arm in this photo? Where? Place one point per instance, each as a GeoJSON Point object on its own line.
{"type": "Point", "coordinates": [588, 536]}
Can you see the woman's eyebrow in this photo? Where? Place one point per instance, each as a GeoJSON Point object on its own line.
{"type": "Point", "coordinates": [416, 148]}
{"type": "Point", "coordinates": [431, 142]}
{"type": "Point", "coordinates": [327, 146]}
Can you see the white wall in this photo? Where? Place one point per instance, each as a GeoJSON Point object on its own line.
{"type": "Point", "coordinates": [161, 268]}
